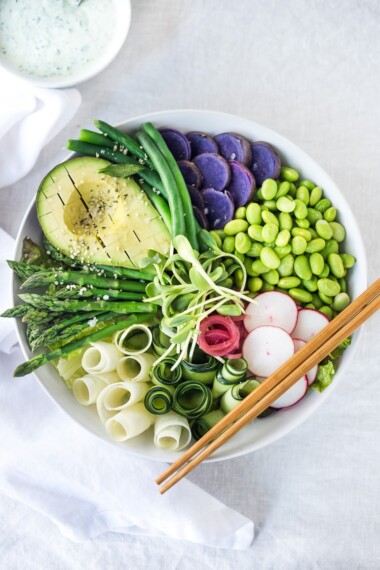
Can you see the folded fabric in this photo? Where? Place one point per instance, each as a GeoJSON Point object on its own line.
{"type": "Point", "coordinates": [29, 118]}
{"type": "Point", "coordinates": [87, 486]}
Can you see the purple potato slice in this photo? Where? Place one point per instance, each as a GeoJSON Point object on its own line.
{"type": "Point", "coordinates": [215, 170]}
{"type": "Point", "coordinates": [190, 173]}
{"type": "Point", "coordinates": [201, 218]}
{"type": "Point", "coordinates": [234, 147]}
{"type": "Point", "coordinates": [196, 197]}
{"type": "Point", "coordinates": [201, 143]}
{"type": "Point", "coordinates": [177, 143]}
{"type": "Point", "coordinates": [265, 162]}
{"type": "Point", "coordinates": [242, 185]}
{"type": "Point", "coordinates": [219, 208]}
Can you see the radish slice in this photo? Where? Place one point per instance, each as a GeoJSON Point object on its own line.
{"type": "Point", "coordinates": [312, 374]}
{"type": "Point", "coordinates": [272, 308]}
{"type": "Point", "coordinates": [293, 395]}
{"type": "Point", "coordinates": [309, 323]}
{"type": "Point", "coordinates": [266, 348]}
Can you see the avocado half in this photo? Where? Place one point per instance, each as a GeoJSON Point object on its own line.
{"type": "Point", "coordinates": [96, 218]}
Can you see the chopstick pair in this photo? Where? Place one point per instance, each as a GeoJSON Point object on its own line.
{"type": "Point", "coordinates": [311, 354]}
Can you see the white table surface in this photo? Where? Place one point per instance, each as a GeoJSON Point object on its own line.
{"type": "Point", "coordinates": [309, 70]}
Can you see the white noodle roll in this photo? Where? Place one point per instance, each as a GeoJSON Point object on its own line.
{"type": "Point", "coordinates": [135, 368]}
{"type": "Point", "coordinates": [142, 336]}
{"type": "Point", "coordinates": [101, 357]}
{"type": "Point", "coordinates": [171, 432]}
{"type": "Point", "coordinates": [129, 422]}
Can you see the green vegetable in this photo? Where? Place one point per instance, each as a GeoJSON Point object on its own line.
{"type": "Point", "coordinates": [203, 369]}
{"type": "Point", "coordinates": [160, 204]}
{"type": "Point", "coordinates": [324, 376]}
{"type": "Point", "coordinates": [192, 399]}
{"type": "Point", "coordinates": [158, 400]}
{"type": "Point", "coordinates": [162, 372]}
{"type": "Point", "coordinates": [122, 170]}
{"type": "Point", "coordinates": [289, 174]}
{"type": "Point", "coordinates": [203, 424]}
{"type": "Point", "coordinates": [235, 394]}
{"type": "Point", "coordinates": [126, 141]}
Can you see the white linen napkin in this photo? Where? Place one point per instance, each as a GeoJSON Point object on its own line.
{"type": "Point", "coordinates": [84, 485]}
{"type": "Point", "coordinates": [29, 118]}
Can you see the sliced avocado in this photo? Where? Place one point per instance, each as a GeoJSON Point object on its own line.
{"type": "Point", "coordinates": [97, 218]}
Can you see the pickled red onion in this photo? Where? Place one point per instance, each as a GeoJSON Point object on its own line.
{"type": "Point", "coordinates": [219, 336]}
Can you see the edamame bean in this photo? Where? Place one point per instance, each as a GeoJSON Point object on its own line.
{"type": "Point", "coordinates": [283, 238]}
{"type": "Point", "coordinates": [317, 301]}
{"type": "Point", "coordinates": [300, 295]}
{"type": "Point", "coordinates": [286, 222]}
{"type": "Point", "coordinates": [269, 233]}
{"type": "Point", "coordinates": [299, 245]}
{"type": "Point", "coordinates": [325, 271]}
{"type": "Point", "coordinates": [228, 282]}
{"type": "Point", "coordinates": [235, 226]}
{"type": "Point", "coordinates": [289, 282]}
{"type": "Point", "coordinates": [258, 267]}
{"type": "Point", "coordinates": [286, 266]}
{"type": "Point", "coordinates": [303, 194]}
{"type": "Point", "coordinates": [242, 242]}
{"type": "Point", "coordinates": [238, 278]}
{"type": "Point", "coordinates": [253, 213]}
{"type": "Point", "coordinates": [267, 287]}
{"type": "Point", "coordinates": [330, 214]}
{"type": "Point", "coordinates": [300, 211]}
{"type": "Point", "coordinates": [308, 184]}
{"type": "Point", "coordinates": [217, 238]}
{"type": "Point", "coordinates": [310, 284]}
{"type": "Point", "coordinates": [325, 298]}
{"type": "Point", "coordinates": [301, 232]}
{"type": "Point", "coordinates": [248, 267]}
{"type": "Point", "coordinates": [324, 229]}
{"type": "Point", "coordinates": [254, 284]}
{"type": "Point", "coordinates": [254, 250]}
{"type": "Point", "coordinates": [304, 223]}
{"type": "Point", "coordinates": [315, 195]}
{"type": "Point", "coordinates": [328, 287]}
{"type": "Point", "coordinates": [270, 204]}
{"type": "Point", "coordinates": [283, 189]}
{"type": "Point", "coordinates": [341, 301]}
{"type": "Point", "coordinates": [239, 255]}
{"type": "Point", "coordinates": [289, 174]}
{"type": "Point", "coordinates": [309, 306]}
{"type": "Point", "coordinates": [339, 233]}
{"type": "Point", "coordinates": [269, 218]}
{"type": "Point", "coordinates": [220, 233]}
{"type": "Point", "coordinates": [326, 310]}
{"type": "Point", "coordinates": [336, 265]}
{"type": "Point", "coordinates": [292, 190]}
{"type": "Point", "coordinates": [284, 204]}
{"type": "Point", "coordinates": [229, 244]}
{"type": "Point", "coordinates": [314, 234]}
{"type": "Point", "coordinates": [302, 267]}
{"type": "Point", "coordinates": [330, 247]}
{"type": "Point", "coordinates": [315, 245]}
{"type": "Point", "coordinates": [228, 262]}
{"type": "Point", "coordinates": [269, 189]}
{"type": "Point", "coordinates": [316, 263]}
{"type": "Point", "coordinates": [269, 258]}
{"type": "Point", "coordinates": [271, 277]}
{"type": "Point", "coordinates": [343, 285]}
{"type": "Point", "coordinates": [313, 216]}
{"type": "Point", "coordinates": [255, 232]}
{"type": "Point", "coordinates": [348, 260]}
{"type": "Point", "coordinates": [240, 213]}
{"type": "Point", "coordinates": [282, 251]}
{"type": "Point", "coordinates": [323, 205]}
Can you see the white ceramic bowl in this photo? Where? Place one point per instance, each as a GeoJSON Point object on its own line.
{"type": "Point", "coordinates": [120, 32]}
{"type": "Point", "coordinates": [263, 431]}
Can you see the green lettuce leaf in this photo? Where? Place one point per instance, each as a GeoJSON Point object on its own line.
{"type": "Point", "coordinates": [324, 377]}
{"type": "Point", "coordinates": [338, 351]}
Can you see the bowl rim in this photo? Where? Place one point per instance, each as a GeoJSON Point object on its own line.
{"type": "Point", "coordinates": [87, 72]}
{"type": "Point", "coordinates": [303, 414]}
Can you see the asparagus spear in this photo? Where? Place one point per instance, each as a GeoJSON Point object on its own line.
{"type": "Point", "coordinates": [14, 312]}
{"type": "Point", "coordinates": [71, 306]}
{"type": "Point", "coordinates": [84, 279]}
{"type": "Point", "coordinates": [37, 361]}
{"type": "Point", "coordinates": [23, 270]}
{"type": "Point", "coordinates": [82, 293]}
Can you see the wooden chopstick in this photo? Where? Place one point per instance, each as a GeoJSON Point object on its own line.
{"type": "Point", "coordinates": [275, 385]}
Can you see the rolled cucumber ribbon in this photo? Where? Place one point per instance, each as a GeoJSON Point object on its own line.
{"type": "Point", "coordinates": [233, 371]}
{"type": "Point", "coordinates": [171, 432]}
{"type": "Point", "coordinates": [162, 374]}
{"type": "Point", "coordinates": [203, 424]}
{"type": "Point", "coordinates": [236, 393]}
{"type": "Point", "coordinates": [136, 339]}
{"type": "Point", "coordinates": [161, 341]}
{"type": "Point", "coordinates": [159, 399]}
{"type": "Point", "coordinates": [192, 399]}
{"type": "Point", "coordinates": [203, 370]}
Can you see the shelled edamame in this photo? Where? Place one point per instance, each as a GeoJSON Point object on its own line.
{"type": "Point", "coordinates": [289, 239]}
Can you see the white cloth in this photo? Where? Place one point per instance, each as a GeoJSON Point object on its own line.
{"type": "Point", "coordinates": [87, 487]}
{"type": "Point", "coordinates": [30, 117]}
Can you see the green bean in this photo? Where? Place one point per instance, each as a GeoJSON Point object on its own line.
{"type": "Point", "coordinates": [328, 287]}
{"type": "Point", "coordinates": [289, 174]}
{"type": "Point", "coordinates": [315, 195]}
{"type": "Point", "coordinates": [289, 282]}
{"type": "Point", "coordinates": [315, 245]}
{"type": "Point", "coordinates": [122, 139]}
{"type": "Point", "coordinates": [339, 233]}
{"type": "Point", "coordinates": [271, 277]}
{"type": "Point", "coordinates": [242, 242]}
{"type": "Point", "coordinates": [282, 238]}
{"type": "Point", "coordinates": [160, 204]}
{"type": "Point", "coordinates": [253, 213]}
{"type": "Point", "coordinates": [310, 284]}
{"type": "Point", "coordinates": [324, 229]}
{"type": "Point", "coordinates": [235, 226]}
{"type": "Point", "coordinates": [96, 138]}
{"type": "Point", "coordinates": [300, 210]}
{"type": "Point", "coordinates": [299, 245]}
{"type": "Point", "coordinates": [286, 222]}
{"type": "Point", "coordinates": [303, 194]}
{"type": "Point", "coordinates": [316, 263]}
{"type": "Point", "coordinates": [308, 184]}
{"type": "Point", "coordinates": [269, 258]}
{"type": "Point", "coordinates": [240, 213]}
{"type": "Point", "coordinates": [282, 251]}
{"type": "Point", "coordinates": [341, 301]}
{"type": "Point", "coordinates": [283, 189]}
{"type": "Point", "coordinates": [313, 215]}
{"type": "Point", "coordinates": [269, 233]}
{"type": "Point", "coordinates": [229, 244]}
{"type": "Point", "coordinates": [336, 265]}
{"type": "Point", "coordinates": [300, 295]}
{"type": "Point", "coordinates": [285, 269]}
{"type": "Point", "coordinates": [269, 218]}
{"type": "Point", "coordinates": [302, 267]}
{"type": "Point", "coordinates": [269, 189]}
{"type": "Point", "coordinates": [285, 204]}
{"type": "Point", "coordinates": [254, 284]}
{"type": "Point", "coordinates": [255, 232]}
{"type": "Point", "coordinates": [330, 214]}
{"type": "Point", "coordinates": [255, 250]}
